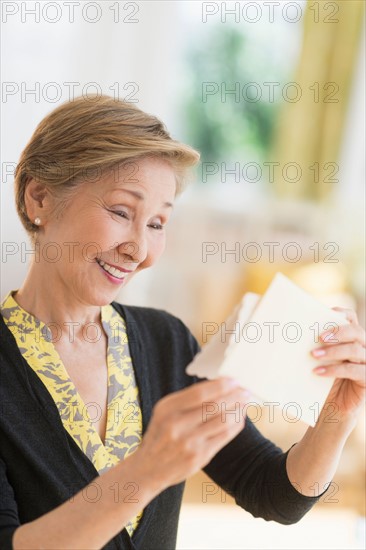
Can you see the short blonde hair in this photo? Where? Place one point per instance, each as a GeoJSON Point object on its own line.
{"type": "Point", "coordinates": [90, 136]}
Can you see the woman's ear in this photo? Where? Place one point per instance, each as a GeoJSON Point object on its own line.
{"type": "Point", "coordinates": [35, 199]}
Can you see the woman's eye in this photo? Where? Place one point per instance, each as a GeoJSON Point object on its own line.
{"type": "Point", "coordinates": [157, 226]}
{"type": "Point", "coordinates": [120, 213]}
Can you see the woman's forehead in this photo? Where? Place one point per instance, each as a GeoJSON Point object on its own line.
{"type": "Point", "coordinates": [139, 178]}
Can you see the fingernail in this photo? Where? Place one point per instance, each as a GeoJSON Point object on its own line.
{"type": "Point", "coordinates": [319, 370]}
{"type": "Point", "coordinates": [327, 336]}
{"type": "Point", "coordinates": [318, 352]}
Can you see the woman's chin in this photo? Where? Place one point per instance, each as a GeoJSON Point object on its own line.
{"type": "Point", "coordinates": [104, 298]}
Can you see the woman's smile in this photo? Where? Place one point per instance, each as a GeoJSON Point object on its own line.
{"type": "Point", "coordinates": [114, 274]}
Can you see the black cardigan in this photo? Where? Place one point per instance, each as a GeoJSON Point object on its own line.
{"type": "Point", "coordinates": [41, 466]}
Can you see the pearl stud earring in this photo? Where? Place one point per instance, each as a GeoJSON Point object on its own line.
{"type": "Point", "coordinates": [37, 221]}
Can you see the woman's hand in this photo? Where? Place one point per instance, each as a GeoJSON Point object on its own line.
{"type": "Point", "coordinates": [343, 356]}
{"type": "Point", "coordinates": [188, 428]}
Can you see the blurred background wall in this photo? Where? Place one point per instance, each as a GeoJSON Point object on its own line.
{"type": "Point", "coordinates": [272, 94]}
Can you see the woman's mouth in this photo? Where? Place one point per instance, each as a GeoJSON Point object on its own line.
{"type": "Point", "coordinates": [114, 275]}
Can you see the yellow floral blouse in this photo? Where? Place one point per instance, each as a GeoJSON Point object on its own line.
{"type": "Point", "coordinates": [124, 419]}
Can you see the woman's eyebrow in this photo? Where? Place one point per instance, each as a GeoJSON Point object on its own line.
{"type": "Point", "coordinates": [138, 195]}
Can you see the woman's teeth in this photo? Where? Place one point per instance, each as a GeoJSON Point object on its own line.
{"type": "Point", "coordinates": [112, 270]}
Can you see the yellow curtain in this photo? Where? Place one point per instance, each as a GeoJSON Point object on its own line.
{"type": "Point", "coordinates": [310, 129]}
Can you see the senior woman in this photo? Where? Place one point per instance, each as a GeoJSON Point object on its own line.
{"type": "Point", "coordinates": [100, 425]}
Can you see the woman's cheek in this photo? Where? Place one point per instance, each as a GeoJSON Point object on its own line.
{"type": "Point", "coordinates": [160, 245]}
{"type": "Point", "coordinates": [156, 248]}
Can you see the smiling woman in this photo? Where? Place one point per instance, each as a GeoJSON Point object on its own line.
{"type": "Point", "coordinates": [122, 231]}
{"type": "Point", "coordinates": [100, 424]}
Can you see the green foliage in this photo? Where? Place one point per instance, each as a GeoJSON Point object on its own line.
{"type": "Point", "coordinates": [222, 128]}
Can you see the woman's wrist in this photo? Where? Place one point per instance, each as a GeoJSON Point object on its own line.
{"type": "Point", "coordinates": [136, 473]}
{"type": "Point", "coordinates": [314, 459]}
{"type": "Point", "coordinates": [331, 420]}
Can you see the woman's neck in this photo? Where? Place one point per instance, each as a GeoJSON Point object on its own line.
{"type": "Point", "coordinates": [56, 306]}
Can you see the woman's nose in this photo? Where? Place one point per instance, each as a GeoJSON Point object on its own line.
{"type": "Point", "coordinates": [135, 248]}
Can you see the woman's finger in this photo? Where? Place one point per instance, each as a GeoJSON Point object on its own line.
{"type": "Point", "coordinates": [344, 333]}
{"type": "Point", "coordinates": [216, 441]}
{"type": "Point", "coordinates": [193, 396]}
{"type": "Point", "coordinates": [352, 371]}
{"type": "Point", "coordinates": [212, 416]}
{"type": "Point", "coordinates": [353, 352]}
{"type": "Point", "coordinates": [350, 315]}
{"type": "Point", "coordinates": [230, 414]}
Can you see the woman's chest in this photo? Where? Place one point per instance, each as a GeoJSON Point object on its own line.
{"type": "Point", "coordinates": [87, 368]}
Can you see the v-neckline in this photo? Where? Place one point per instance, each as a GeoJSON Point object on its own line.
{"type": "Point", "coordinates": [81, 400]}
{"type": "Point", "coordinates": [47, 336]}
{"type": "Point", "coordinates": [48, 408]}
{"type": "Point", "coordinates": [78, 394]}
{"type": "Point", "coordinates": [123, 430]}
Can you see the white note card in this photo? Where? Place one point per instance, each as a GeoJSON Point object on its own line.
{"type": "Point", "coordinates": [266, 343]}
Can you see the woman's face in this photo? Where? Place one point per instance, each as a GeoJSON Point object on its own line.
{"type": "Point", "coordinates": [119, 220]}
